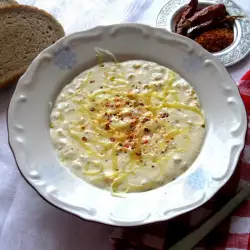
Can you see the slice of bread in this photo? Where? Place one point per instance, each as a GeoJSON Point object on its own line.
{"type": "Point", "coordinates": [7, 2]}
{"type": "Point", "coordinates": [24, 32]}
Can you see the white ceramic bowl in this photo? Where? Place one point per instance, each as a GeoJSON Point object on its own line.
{"type": "Point", "coordinates": [28, 122]}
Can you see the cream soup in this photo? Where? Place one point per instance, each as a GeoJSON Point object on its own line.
{"type": "Point", "coordinates": [127, 127]}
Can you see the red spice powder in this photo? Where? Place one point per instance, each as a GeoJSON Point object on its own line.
{"type": "Point", "coordinates": [216, 40]}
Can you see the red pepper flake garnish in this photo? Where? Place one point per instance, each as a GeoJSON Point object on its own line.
{"type": "Point", "coordinates": [107, 127]}
{"type": "Point", "coordinates": [145, 142]}
{"type": "Point", "coordinates": [108, 105]}
{"type": "Point", "coordinates": [126, 145]}
{"type": "Point", "coordinates": [84, 139]}
{"type": "Point", "coordinates": [133, 124]}
{"type": "Point", "coordinates": [130, 136]}
{"type": "Point", "coordinates": [164, 115]}
{"type": "Point", "coordinates": [145, 120]}
{"type": "Point", "coordinates": [146, 130]}
{"type": "Point", "coordinates": [112, 139]}
{"type": "Point", "coordinates": [138, 153]}
{"type": "Point", "coordinates": [92, 109]}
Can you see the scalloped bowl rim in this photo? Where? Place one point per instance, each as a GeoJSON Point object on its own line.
{"type": "Point", "coordinates": [193, 188]}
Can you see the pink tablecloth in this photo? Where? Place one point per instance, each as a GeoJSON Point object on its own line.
{"type": "Point", "coordinates": [27, 222]}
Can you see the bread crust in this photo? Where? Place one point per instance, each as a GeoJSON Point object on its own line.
{"type": "Point", "coordinates": [7, 2]}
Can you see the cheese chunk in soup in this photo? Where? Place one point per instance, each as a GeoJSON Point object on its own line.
{"type": "Point", "coordinates": [128, 127]}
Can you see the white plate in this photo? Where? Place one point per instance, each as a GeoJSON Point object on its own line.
{"type": "Point", "coordinates": [28, 122]}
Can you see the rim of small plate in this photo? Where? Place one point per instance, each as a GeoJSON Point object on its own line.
{"type": "Point", "coordinates": [241, 36]}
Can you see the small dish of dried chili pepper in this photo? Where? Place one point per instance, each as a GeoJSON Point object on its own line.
{"type": "Point", "coordinates": [214, 24]}
{"type": "Point", "coordinates": [208, 25]}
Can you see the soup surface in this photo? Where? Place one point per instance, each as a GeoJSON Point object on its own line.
{"type": "Point", "coordinates": [127, 127]}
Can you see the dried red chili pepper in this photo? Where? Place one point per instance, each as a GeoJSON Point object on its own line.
{"type": "Point", "coordinates": [227, 22]}
{"type": "Point", "coordinates": [217, 11]}
{"type": "Point", "coordinates": [188, 11]}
